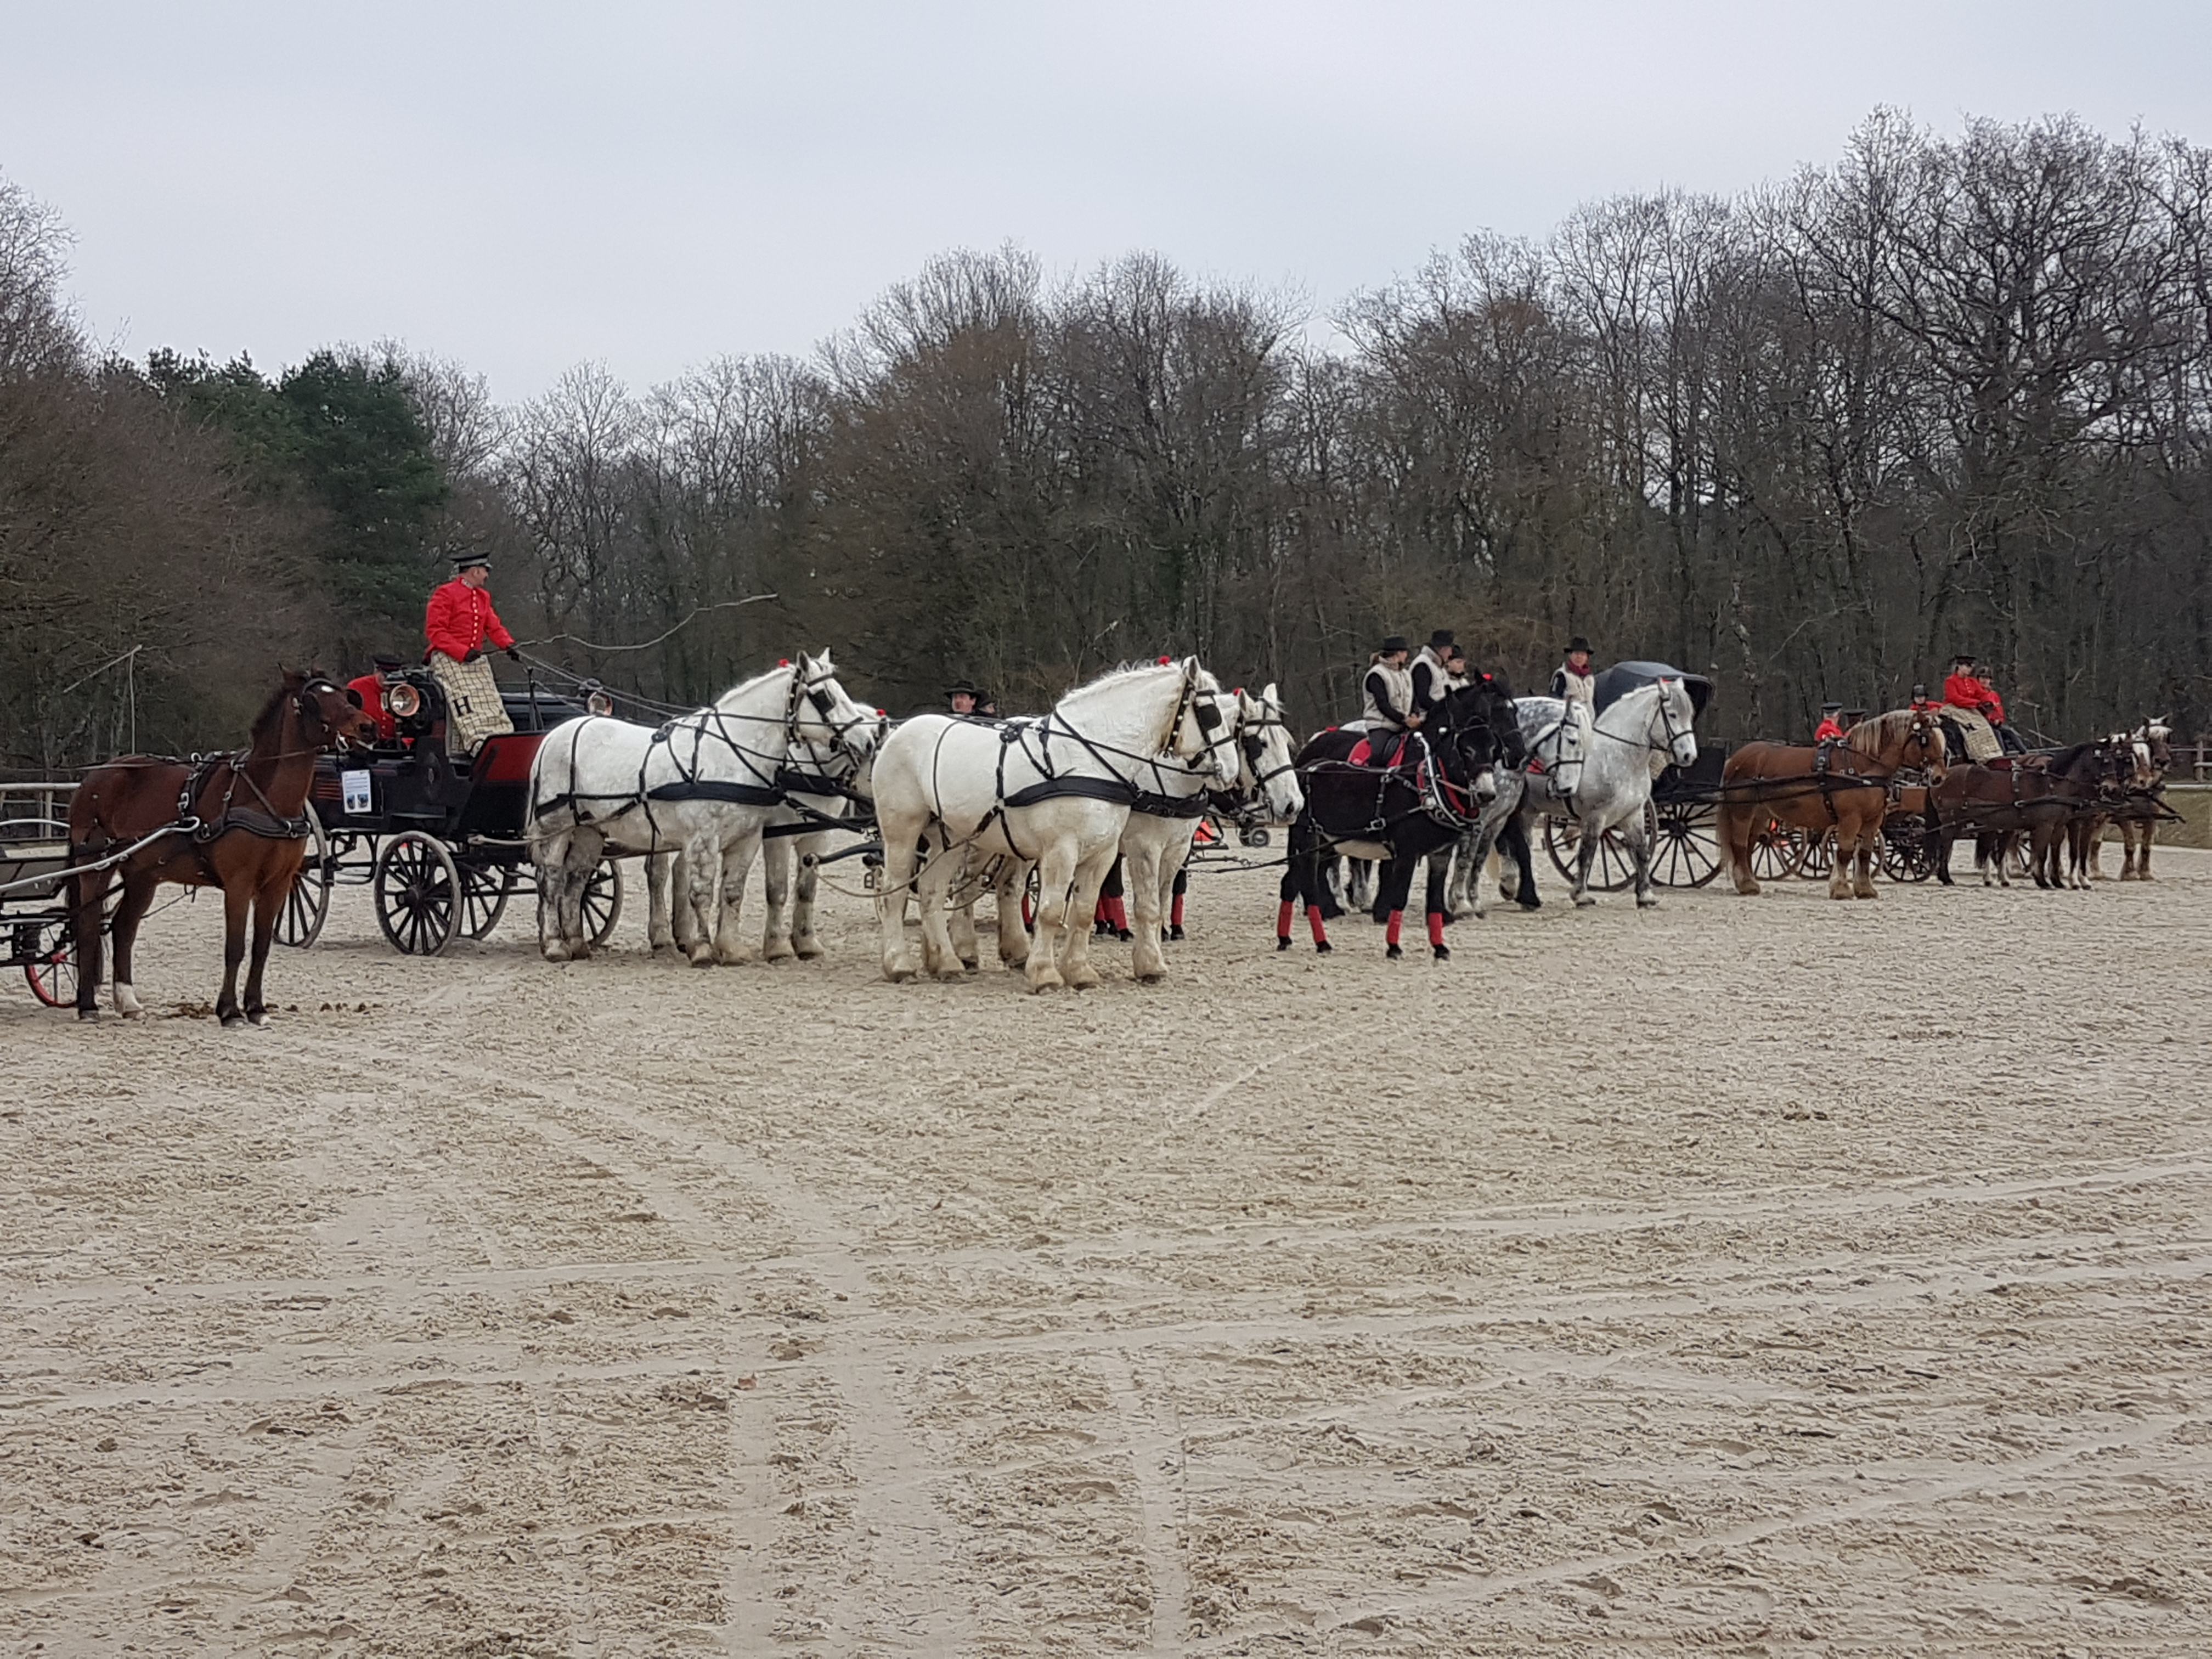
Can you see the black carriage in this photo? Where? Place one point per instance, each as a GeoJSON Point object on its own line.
{"type": "Point", "coordinates": [1682, 821]}
{"type": "Point", "coordinates": [436, 838]}
{"type": "Point", "coordinates": [34, 895]}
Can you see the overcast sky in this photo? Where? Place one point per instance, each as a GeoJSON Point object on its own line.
{"type": "Point", "coordinates": [527, 186]}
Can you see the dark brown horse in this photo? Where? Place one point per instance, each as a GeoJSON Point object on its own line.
{"type": "Point", "coordinates": [1847, 793]}
{"type": "Point", "coordinates": [2037, 796]}
{"type": "Point", "coordinates": [237, 822]}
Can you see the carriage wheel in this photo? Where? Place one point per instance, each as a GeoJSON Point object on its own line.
{"type": "Point", "coordinates": [603, 897]}
{"type": "Point", "coordinates": [484, 892]}
{"type": "Point", "coordinates": [52, 971]}
{"type": "Point", "coordinates": [1610, 870]}
{"type": "Point", "coordinates": [1687, 851]}
{"type": "Point", "coordinates": [418, 893]}
{"type": "Point", "coordinates": [1910, 856]}
{"type": "Point", "coordinates": [1776, 852]}
{"type": "Point", "coordinates": [1819, 857]}
{"type": "Point", "coordinates": [307, 906]}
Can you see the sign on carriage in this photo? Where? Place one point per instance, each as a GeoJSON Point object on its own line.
{"type": "Point", "coordinates": [358, 799]}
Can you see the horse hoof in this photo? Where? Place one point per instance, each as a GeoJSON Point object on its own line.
{"type": "Point", "coordinates": [899, 975]}
{"type": "Point", "coordinates": [1440, 952]}
{"type": "Point", "coordinates": [778, 952]}
{"type": "Point", "coordinates": [1583, 902]}
{"type": "Point", "coordinates": [1282, 941]}
{"type": "Point", "coordinates": [1151, 979]}
{"type": "Point", "coordinates": [259, 1016]}
{"type": "Point", "coordinates": [559, 953]}
{"type": "Point", "coordinates": [807, 952]}
{"type": "Point", "coordinates": [1174, 933]}
{"type": "Point", "coordinates": [1322, 947]}
{"type": "Point", "coordinates": [970, 964]}
{"type": "Point", "coordinates": [88, 1014]}
{"type": "Point", "coordinates": [1394, 953]}
{"type": "Point", "coordinates": [1532, 904]}
{"type": "Point", "coordinates": [704, 959]}
{"type": "Point", "coordinates": [1647, 904]}
{"type": "Point", "coordinates": [232, 1022]}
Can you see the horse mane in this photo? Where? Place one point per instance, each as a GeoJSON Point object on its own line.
{"type": "Point", "coordinates": [266, 723]}
{"type": "Point", "coordinates": [752, 684]}
{"type": "Point", "coordinates": [1870, 737]}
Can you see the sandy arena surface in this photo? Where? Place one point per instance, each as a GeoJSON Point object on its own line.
{"type": "Point", "coordinates": [1775, 1276]}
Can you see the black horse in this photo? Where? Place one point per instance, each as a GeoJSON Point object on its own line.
{"type": "Point", "coordinates": [1421, 805]}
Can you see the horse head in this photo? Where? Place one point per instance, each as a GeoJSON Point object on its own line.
{"type": "Point", "coordinates": [1270, 767]}
{"type": "Point", "coordinates": [1477, 726]}
{"type": "Point", "coordinates": [1903, 737]}
{"type": "Point", "coordinates": [1204, 733]}
{"type": "Point", "coordinates": [330, 715]}
{"type": "Point", "coordinates": [2157, 733]}
{"type": "Point", "coordinates": [822, 713]}
{"type": "Point", "coordinates": [1674, 723]}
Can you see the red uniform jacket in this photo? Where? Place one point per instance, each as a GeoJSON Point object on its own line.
{"type": "Point", "coordinates": [370, 690]}
{"type": "Point", "coordinates": [1828, 728]}
{"type": "Point", "coordinates": [1967, 691]}
{"type": "Point", "coordinates": [460, 619]}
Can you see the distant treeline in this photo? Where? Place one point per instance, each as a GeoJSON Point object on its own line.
{"type": "Point", "coordinates": [1948, 392]}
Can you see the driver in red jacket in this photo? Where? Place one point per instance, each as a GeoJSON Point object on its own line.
{"type": "Point", "coordinates": [1964, 688]}
{"type": "Point", "coordinates": [460, 620]}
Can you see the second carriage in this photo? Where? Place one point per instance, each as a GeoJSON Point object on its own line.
{"type": "Point", "coordinates": [436, 838]}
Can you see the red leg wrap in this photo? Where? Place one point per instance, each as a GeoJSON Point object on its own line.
{"type": "Point", "coordinates": [1436, 927]}
{"type": "Point", "coordinates": [1314, 921]}
{"type": "Point", "coordinates": [1397, 923]}
{"type": "Point", "coordinates": [1175, 913]}
{"type": "Point", "coordinates": [1283, 918]}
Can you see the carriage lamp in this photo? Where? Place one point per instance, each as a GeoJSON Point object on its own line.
{"type": "Point", "coordinates": [403, 701]}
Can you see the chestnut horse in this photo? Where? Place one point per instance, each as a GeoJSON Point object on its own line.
{"type": "Point", "coordinates": [1848, 793]}
{"type": "Point", "coordinates": [237, 822]}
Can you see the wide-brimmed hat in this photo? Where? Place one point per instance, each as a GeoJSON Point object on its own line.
{"type": "Point", "coordinates": [963, 689]}
{"type": "Point", "coordinates": [1578, 643]}
{"type": "Point", "coordinates": [1395, 643]}
{"type": "Point", "coordinates": [1442, 640]}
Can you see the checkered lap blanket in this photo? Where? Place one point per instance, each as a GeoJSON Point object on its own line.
{"type": "Point", "coordinates": [473, 710]}
{"type": "Point", "coordinates": [1981, 737]}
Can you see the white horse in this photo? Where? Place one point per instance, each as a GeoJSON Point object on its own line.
{"type": "Point", "coordinates": [1599, 773]}
{"type": "Point", "coordinates": [1053, 791]}
{"type": "Point", "coordinates": [798, 834]}
{"type": "Point", "coordinates": [705, 784]}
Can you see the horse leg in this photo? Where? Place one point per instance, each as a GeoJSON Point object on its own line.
{"type": "Point", "coordinates": [1866, 847]}
{"type": "Point", "coordinates": [940, 959]}
{"type": "Point", "coordinates": [1055, 914]}
{"type": "Point", "coordinates": [1738, 825]}
{"type": "Point", "coordinates": [895, 886]}
{"type": "Point", "coordinates": [1640, 849]}
{"type": "Point", "coordinates": [87, 941]}
{"type": "Point", "coordinates": [1148, 966]}
{"type": "Point", "coordinates": [267, 904]}
{"type": "Point", "coordinates": [960, 926]}
{"type": "Point", "coordinates": [236, 903]}
{"type": "Point", "coordinates": [805, 884]}
{"type": "Point", "coordinates": [702, 870]}
{"type": "Point", "coordinates": [1440, 869]}
{"type": "Point", "coordinates": [131, 910]}
{"type": "Point", "coordinates": [1515, 839]}
{"type": "Point", "coordinates": [660, 920]}
{"type": "Point", "coordinates": [777, 857]}
{"type": "Point", "coordinates": [732, 947]}
{"type": "Point", "coordinates": [1393, 886]}
{"type": "Point", "coordinates": [1012, 891]}
{"type": "Point", "coordinates": [1090, 876]}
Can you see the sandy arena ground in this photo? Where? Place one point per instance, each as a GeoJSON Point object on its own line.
{"type": "Point", "coordinates": [1774, 1276]}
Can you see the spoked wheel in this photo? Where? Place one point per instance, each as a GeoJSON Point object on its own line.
{"type": "Point", "coordinates": [52, 971]}
{"type": "Point", "coordinates": [1687, 851]}
{"type": "Point", "coordinates": [1610, 870]}
{"type": "Point", "coordinates": [484, 892]}
{"type": "Point", "coordinates": [1777, 851]}
{"type": "Point", "coordinates": [603, 896]}
{"type": "Point", "coordinates": [1819, 859]}
{"type": "Point", "coordinates": [418, 893]}
{"type": "Point", "coordinates": [1910, 857]}
{"type": "Point", "coordinates": [307, 906]}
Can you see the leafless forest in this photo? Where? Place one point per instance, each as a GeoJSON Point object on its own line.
{"type": "Point", "coordinates": [1949, 390]}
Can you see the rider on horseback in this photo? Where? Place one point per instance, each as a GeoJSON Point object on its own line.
{"type": "Point", "coordinates": [1391, 711]}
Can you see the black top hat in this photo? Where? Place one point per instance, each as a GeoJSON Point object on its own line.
{"type": "Point", "coordinates": [386, 659]}
{"type": "Point", "coordinates": [1395, 643]}
{"type": "Point", "coordinates": [1830, 708]}
{"type": "Point", "coordinates": [1578, 643]}
{"type": "Point", "coordinates": [963, 689]}
{"type": "Point", "coordinates": [1442, 640]}
{"type": "Point", "coordinates": [464, 561]}
{"type": "Point", "coordinates": [1958, 657]}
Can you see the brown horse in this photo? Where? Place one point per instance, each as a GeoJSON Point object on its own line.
{"type": "Point", "coordinates": [2038, 797]}
{"type": "Point", "coordinates": [237, 822]}
{"type": "Point", "coordinates": [1847, 794]}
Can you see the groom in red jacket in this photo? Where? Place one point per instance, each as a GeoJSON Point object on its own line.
{"type": "Point", "coordinates": [459, 623]}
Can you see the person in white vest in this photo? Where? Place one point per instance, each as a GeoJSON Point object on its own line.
{"type": "Point", "coordinates": [1390, 711]}
{"type": "Point", "coordinates": [1576, 682]}
{"type": "Point", "coordinates": [1432, 675]}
